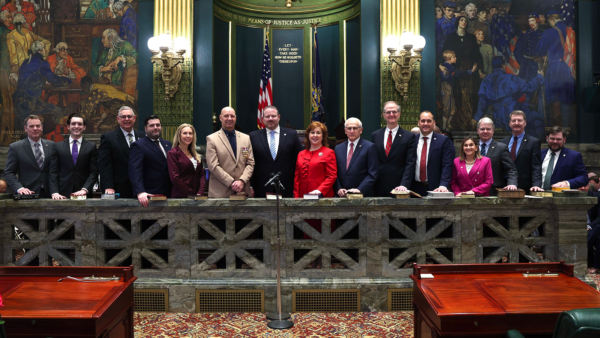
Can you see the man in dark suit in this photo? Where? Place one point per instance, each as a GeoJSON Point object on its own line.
{"type": "Point", "coordinates": [148, 168]}
{"type": "Point", "coordinates": [357, 162]}
{"type": "Point", "coordinates": [113, 155]}
{"type": "Point", "coordinates": [592, 191]}
{"type": "Point", "coordinates": [561, 167]}
{"type": "Point", "coordinates": [503, 168]}
{"type": "Point", "coordinates": [74, 163]}
{"type": "Point", "coordinates": [396, 153]}
{"type": "Point", "coordinates": [435, 158]}
{"type": "Point", "coordinates": [275, 150]}
{"type": "Point", "coordinates": [28, 161]}
{"type": "Point", "coordinates": [525, 152]}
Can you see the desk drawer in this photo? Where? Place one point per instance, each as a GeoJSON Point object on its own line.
{"type": "Point", "coordinates": [76, 42]}
{"type": "Point", "coordinates": [472, 324]}
{"type": "Point", "coordinates": [77, 30]}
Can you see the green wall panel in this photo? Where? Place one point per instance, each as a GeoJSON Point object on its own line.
{"type": "Point", "coordinates": [203, 68]}
{"type": "Point", "coordinates": [353, 86]}
{"type": "Point", "coordinates": [145, 77]}
{"type": "Point", "coordinates": [221, 64]}
{"type": "Point", "coordinates": [329, 53]}
{"type": "Point", "coordinates": [249, 46]}
{"type": "Point", "coordinates": [370, 65]}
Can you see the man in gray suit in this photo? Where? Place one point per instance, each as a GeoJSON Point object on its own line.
{"type": "Point", "coordinates": [28, 161]}
{"type": "Point", "coordinates": [503, 168]}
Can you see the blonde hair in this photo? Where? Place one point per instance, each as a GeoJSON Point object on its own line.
{"type": "Point", "coordinates": [192, 146]}
{"type": "Point", "coordinates": [448, 54]}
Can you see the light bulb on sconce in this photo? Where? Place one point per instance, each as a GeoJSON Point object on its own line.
{"type": "Point", "coordinates": [181, 44]}
{"type": "Point", "coordinates": [168, 58]}
{"type": "Point", "coordinates": [288, 3]}
{"type": "Point", "coordinates": [391, 43]}
{"type": "Point", "coordinates": [402, 65]}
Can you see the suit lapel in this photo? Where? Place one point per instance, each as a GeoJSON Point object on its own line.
{"type": "Point", "coordinates": [166, 146]}
{"type": "Point", "coordinates": [523, 144]}
{"type": "Point", "coordinates": [28, 150]}
{"type": "Point", "coordinates": [155, 148]}
{"type": "Point", "coordinates": [463, 170]}
{"type": "Point", "coordinates": [431, 145]}
{"type": "Point", "coordinates": [264, 141]}
{"type": "Point", "coordinates": [559, 160]}
{"type": "Point", "coordinates": [357, 148]}
{"type": "Point", "coordinates": [65, 145]}
{"type": "Point", "coordinates": [491, 149]}
{"type": "Point", "coordinates": [378, 140]}
{"type": "Point", "coordinates": [238, 145]}
{"type": "Point", "coordinates": [474, 169]}
{"type": "Point", "coordinates": [47, 153]}
{"type": "Point", "coordinates": [282, 138]}
{"type": "Point", "coordinates": [225, 141]}
{"type": "Point", "coordinates": [122, 141]}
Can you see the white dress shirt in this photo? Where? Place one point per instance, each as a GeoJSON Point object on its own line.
{"type": "Point", "coordinates": [385, 136]}
{"type": "Point", "coordinates": [71, 140]}
{"type": "Point", "coordinates": [160, 145]}
{"type": "Point", "coordinates": [487, 146]}
{"type": "Point", "coordinates": [32, 143]}
{"type": "Point", "coordinates": [277, 131]}
{"type": "Point", "coordinates": [355, 144]}
{"type": "Point", "coordinates": [132, 132]}
{"type": "Point", "coordinates": [419, 151]}
{"type": "Point", "coordinates": [547, 161]}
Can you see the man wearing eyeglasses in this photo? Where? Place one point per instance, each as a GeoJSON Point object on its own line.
{"type": "Point", "coordinates": [396, 152]}
{"type": "Point", "coordinates": [62, 64]}
{"type": "Point", "coordinates": [113, 155]}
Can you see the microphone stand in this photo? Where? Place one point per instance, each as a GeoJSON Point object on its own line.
{"type": "Point", "coordinates": [278, 321]}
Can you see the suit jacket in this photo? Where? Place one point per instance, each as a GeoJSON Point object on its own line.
{"type": "Point", "coordinates": [113, 162]}
{"type": "Point", "coordinates": [594, 211]}
{"type": "Point", "coordinates": [315, 170]}
{"type": "Point", "coordinates": [363, 168]}
{"type": "Point", "coordinates": [528, 162]}
{"type": "Point", "coordinates": [148, 167]}
{"type": "Point", "coordinates": [569, 167]}
{"type": "Point", "coordinates": [284, 162]}
{"type": "Point", "coordinates": [66, 177]}
{"type": "Point", "coordinates": [186, 180]}
{"type": "Point", "coordinates": [503, 168]}
{"type": "Point", "coordinates": [398, 168]}
{"type": "Point", "coordinates": [439, 161]}
{"type": "Point", "coordinates": [479, 179]}
{"type": "Point", "coordinates": [224, 167]}
{"type": "Point", "coordinates": [22, 171]}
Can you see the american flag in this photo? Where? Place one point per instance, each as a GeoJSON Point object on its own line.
{"type": "Point", "coordinates": [567, 13]}
{"type": "Point", "coordinates": [265, 96]}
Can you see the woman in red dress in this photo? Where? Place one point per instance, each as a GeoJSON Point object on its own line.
{"type": "Point", "coordinates": [316, 168]}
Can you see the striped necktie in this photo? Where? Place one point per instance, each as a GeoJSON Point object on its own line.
{"type": "Point", "coordinates": [272, 145]}
{"type": "Point", "coordinates": [38, 156]}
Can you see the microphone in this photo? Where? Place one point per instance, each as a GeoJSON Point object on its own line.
{"type": "Point", "coordinates": [273, 178]}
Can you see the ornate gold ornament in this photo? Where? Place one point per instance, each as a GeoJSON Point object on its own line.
{"type": "Point", "coordinates": [402, 64]}
{"type": "Point", "coordinates": [169, 60]}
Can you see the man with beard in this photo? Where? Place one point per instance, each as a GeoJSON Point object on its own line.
{"type": "Point", "coordinates": [148, 169]}
{"type": "Point", "coordinates": [33, 75]}
{"type": "Point", "coordinates": [561, 167]}
{"type": "Point", "coordinates": [446, 25]}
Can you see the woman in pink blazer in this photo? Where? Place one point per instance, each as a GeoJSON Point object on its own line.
{"type": "Point", "coordinates": [472, 172]}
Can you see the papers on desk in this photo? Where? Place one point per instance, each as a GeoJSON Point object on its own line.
{"type": "Point", "coordinates": [439, 194]}
{"type": "Point", "coordinates": [533, 197]}
{"type": "Point", "coordinates": [426, 275]}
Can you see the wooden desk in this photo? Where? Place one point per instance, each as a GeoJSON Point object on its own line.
{"type": "Point", "coordinates": [37, 305]}
{"type": "Point", "coordinates": [476, 300]}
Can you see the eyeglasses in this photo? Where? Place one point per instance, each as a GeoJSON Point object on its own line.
{"type": "Point", "coordinates": [127, 117]}
{"type": "Point", "coordinates": [391, 112]}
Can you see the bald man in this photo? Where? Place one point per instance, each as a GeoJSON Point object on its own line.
{"type": "Point", "coordinates": [2, 186]}
{"type": "Point", "coordinates": [229, 158]}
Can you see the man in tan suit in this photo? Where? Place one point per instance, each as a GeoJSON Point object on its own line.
{"type": "Point", "coordinates": [229, 158]}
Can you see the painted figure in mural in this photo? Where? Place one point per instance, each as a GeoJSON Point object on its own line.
{"type": "Point", "coordinates": [525, 49]}
{"type": "Point", "coordinates": [543, 25]}
{"type": "Point", "coordinates": [487, 53]}
{"type": "Point", "coordinates": [102, 95]}
{"type": "Point", "coordinates": [62, 64]}
{"type": "Point", "coordinates": [501, 91]}
{"type": "Point", "coordinates": [560, 83]}
{"type": "Point", "coordinates": [129, 22]}
{"type": "Point", "coordinates": [6, 116]}
{"type": "Point", "coordinates": [22, 7]}
{"type": "Point", "coordinates": [438, 12]}
{"type": "Point", "coordinates": [117, 55]}
{"type": "Point", "coordinates": [33, 74]}
{"type": "Point", "coordinates": [447, 79]}
{"type": "Point", "coordinates": [465, 46]}
{"type": "Point", "coordinates": [503, 31]}
{"type": "Point", "coordinates": [19, 42]}
{"type": "Point", "coordinates": [100, 9]}
{"type": "Point", "coordinates": [446, 25]}
{"type": "Point", "coordinates": [493, 10]}
{"type": "Point", "coordinates": [471, 11]}
{"type": "Point", "coordinates": [482, 25]}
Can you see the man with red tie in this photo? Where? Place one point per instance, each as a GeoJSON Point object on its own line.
{"type": "Point", "coordinates": [435, 156]}
{"type": "Point", "coordinates": [525, 153]}
{"type": "Point", "coordinates": [396, 153]}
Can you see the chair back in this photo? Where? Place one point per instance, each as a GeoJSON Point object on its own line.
{"type": "Point", "coordinates": [579, 323]}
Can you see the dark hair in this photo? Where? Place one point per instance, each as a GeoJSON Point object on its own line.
{"type": "Point", "coordinates": [75, 115]}
{"type": "Point", "coordinates": [32, 117]}
{"type": "Point", "coordinates": [477, 154]}
{"type": "Point", "coordinates": [310, 128]}
{"type": "Point", "coordinates": [595, 179]}
{"type": "Point", "coordinates": [458, 22]}
{"type": "Point", "coordinates": [151, 117]}
{"type": "Point", "coordinates": [86, 79]}
{"type": "Point", "coordinates": [556, 130]}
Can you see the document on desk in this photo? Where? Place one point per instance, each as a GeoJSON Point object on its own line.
{"type": "Point", "coordinates": [426, 275]}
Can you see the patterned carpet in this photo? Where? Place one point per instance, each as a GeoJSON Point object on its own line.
{"type": "Point", "coordinates": [309, 325]}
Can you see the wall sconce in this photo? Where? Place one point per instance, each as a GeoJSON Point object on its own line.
{"type": "Point", "coordinates": [289, 4]}
{"type": "Point", "coordinates": [169, 60]}
{"type": "Point", "coordinates": [402, 64]}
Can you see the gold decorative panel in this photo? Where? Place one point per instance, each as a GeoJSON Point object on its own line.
{"type": "Point", "coordinates": [151, 300]}
{"type": "Point", "coordinates": [210, 301]}
{"type": "Point", "coordinates": [337, 300]}
{"type": "Point", "coordinates": [400, 300]}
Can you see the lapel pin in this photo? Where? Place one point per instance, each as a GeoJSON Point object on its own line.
{"type": "Point", "coordinates": [320, 154]}
{"type": "Point", "coordinates": [284, 134]}
{"type": "Point", "coordinates": [564, 155]}
{"type": "Point", "coordinates": [434, 138]}
{"type": "Point", "coordinates": [360, 146]}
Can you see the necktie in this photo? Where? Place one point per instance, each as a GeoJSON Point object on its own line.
{"type": "Point", "coordinates": [157, 142]}
{"type": "Point", "coordinates": [130, 138]}
{"type": "Point", "coordinates": [513, 150]}
{"type": "Point", "coordinates": [549, 170]}
{"type": "Point", "coordinates": [423, 165]}
{"type": "Point", "coordinates": [75, 153]}
{"type": "Point", "coordinates": [272, 146]}
{"type": "Point", "coordinates": [388, 146]}
{"type": "Point", "coordinates": [350, 153]}
{"type": "Point", "coordinates": [38, 156]}
{"type": "Point", "coordinates": [483, 152]}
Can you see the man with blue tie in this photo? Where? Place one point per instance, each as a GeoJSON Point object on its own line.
{"type": "Point", "coordinates": [148, 168]}
{"type": "Point", "coordinates": [561, 167]}
{"type": "Point", "coordinates": [525, 153]}
{"type": "Point", "coordinates": [503, 168]}
{"type": "Point", "coordinates": [435, 158]}
{"type": "Point", "coordinates": [357, 162]}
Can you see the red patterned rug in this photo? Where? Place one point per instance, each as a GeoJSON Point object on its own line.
{"type": "Point", "coordinates": [309, 325]}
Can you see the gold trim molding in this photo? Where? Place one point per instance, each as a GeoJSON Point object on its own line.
{"type": "Point", "coordinates": [176, 17]}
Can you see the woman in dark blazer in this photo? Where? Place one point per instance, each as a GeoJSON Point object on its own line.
{"type": "Point", "coordinates": [185, 167]}
{"type": "Point", "coordinates": [472, 174]}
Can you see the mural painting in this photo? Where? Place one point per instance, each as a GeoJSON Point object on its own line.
{"type": "Point", "coordinates": [58, 57]}
{"type": "Point", "coordinates": [494, 57]}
